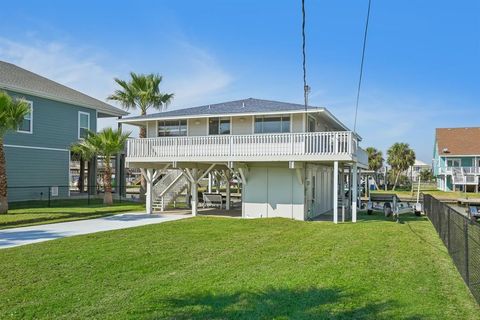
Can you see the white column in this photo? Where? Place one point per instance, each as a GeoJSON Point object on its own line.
{"type": "Point", "coordinates": [354, 192]}
{"type": "Point", "coordinates": [148, 194]}
{"type": "Point", "coordinates": [335, 192]}
{"type": "Point", "coordinates": [194, 192]}
{"type": "Point", "coordinates": [227, 205]}
{"type": "Point", "coordinates": [210, 182]}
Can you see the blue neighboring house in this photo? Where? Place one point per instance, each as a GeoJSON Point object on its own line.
{"type": "Point", "coordinates": [456, 159]}
{"type": "Point", "coordinates": [38, 153]}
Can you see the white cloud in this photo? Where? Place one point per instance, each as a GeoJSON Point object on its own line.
{"type": "Point", "coordinates": [195, 76]}
{"type": "Point", "coordinates": [69, 66]}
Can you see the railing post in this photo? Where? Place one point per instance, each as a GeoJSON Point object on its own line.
{"type": "Point", "coordinates": [335, 140]}
{"type": "Point", "coordinates": [292, 138]}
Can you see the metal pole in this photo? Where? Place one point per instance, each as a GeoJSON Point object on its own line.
{"type": "Point", "coordinates": [49, 192]}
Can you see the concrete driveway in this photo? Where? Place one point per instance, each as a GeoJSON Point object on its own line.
{"type": "Point", "coordinates": [26, 235]}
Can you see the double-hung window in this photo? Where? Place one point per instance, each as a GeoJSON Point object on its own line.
{"type": "Point", "coordinates": [83, 124]}
{"type": "Point", "coordinates": [26, 126]}
{"type": "Point", "coordinates": [172, 128]}
{"type": "Point", "coordinates": [272, 124]}
{"type": "Point", "coordinates": [218, 126]}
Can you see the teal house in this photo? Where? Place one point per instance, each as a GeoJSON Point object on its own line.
{"type": "Point", "coordinates": [38, 154]}
{"type": "Point", "coordinates": [456, 159]}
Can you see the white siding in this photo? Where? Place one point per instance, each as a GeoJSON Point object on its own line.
{"type": "Point", "coordinates": [273, 192]}
{"type": "Point", "coordinates": [323, 199]}
{"type": "Point", "coordinates": [197, 127]}
{"type": "Point", "coordinates": [242, 125]}
{"type": "Point", "coordinates": [297, 122]}
{"type": "Point", "coordinates": [152, 129]}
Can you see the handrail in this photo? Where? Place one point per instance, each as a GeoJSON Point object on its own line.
{"type": "Point", "coordinates": [274, 144]}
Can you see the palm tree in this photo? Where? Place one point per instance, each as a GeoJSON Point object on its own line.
{"type": "Point", "coordinates": [105, 144]}
{"type": "Point", "coordinates": [426, 175]}
{"type": "Point", "coordinates": [81, 153]}
{"type": "Point", "coordinates": [400, 158]}
{"type": "Point", "coordinates": [141, 92]}
{"type": "Point", "coordinates": [375, 161]}
{"type": "Point", "coordinates": [12, 113]}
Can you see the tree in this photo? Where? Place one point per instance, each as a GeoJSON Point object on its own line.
{"type": "Point", "coordinates": [105, 144]}
{"type": "Point", "coordinates": [400, 158]}
{"type": "Point", "coordinates": [12, 113]}
{"type": "Point", "coordinates": [426, 175]}
{"type": "Point", "coordinates": [82, 154]}
{"type": "Point", "coordinates": [375, 162]}
{"type": "Point", "coordinates": [141, 92]}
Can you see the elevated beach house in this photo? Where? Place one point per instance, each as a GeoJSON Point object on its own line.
{"type": "Point", "coordinates": [291, 161]}
{"type": "Point", "coordinates": [38, 153]}
{"type": "Point", "coordinates": [456, 159]}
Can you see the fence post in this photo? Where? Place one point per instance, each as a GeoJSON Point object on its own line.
{"type": "Point", "coordinates": [465, 232]}
{"type": "Point", "coordinates": [88, 195]}
{"type": "Point", "coordinates": [49, 194]}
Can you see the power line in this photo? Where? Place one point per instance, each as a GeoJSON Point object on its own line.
{"type": "Point", "coordinates": [306, 88]}
{"type": "Point", "coordinates": [361, 66]}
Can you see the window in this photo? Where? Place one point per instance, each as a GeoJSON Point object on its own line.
{"type": "Point", "coordinates": [27, 124]}
{"type": "Point", "coordinates": [83, 124]}
{"type": "Point", "coordinates": [269, 124]}
{"type": "Point", "coordinates": [219, 126]}
{"type": "Point", "coordinates": [311, 124]}
{"type": "Point", "coordinates": [453, 162]}
{"type": "Point", "coordinates": [172, 128]}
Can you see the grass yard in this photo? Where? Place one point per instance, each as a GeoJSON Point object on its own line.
{"type": "Point", "coordinates": [436, 193]}
{"type": "Point", "coordinates": [28, 213]}
{"type": "Point", "coordinates": [220, 268]}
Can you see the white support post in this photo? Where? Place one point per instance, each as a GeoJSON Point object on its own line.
{"type": "Point", "coordinates": [227, 190]}
{"type": "Point", "coordinates": [335, 192]}
{"type": "Point", "coordinates": [194, 192]}
{"type": "Point", "coordinates": [148, 196]}
{"type": "Point", "coordinates": [209, 182]}
{"type": "Point", "coordinates": [354, 192]}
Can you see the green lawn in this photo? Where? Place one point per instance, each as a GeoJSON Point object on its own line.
{"type": "Point", "coordinates": [220, 268]}
{"type": "Point", "coordinates": [436, 193]}
{"type": "Point", "coordinates": [35, 212]}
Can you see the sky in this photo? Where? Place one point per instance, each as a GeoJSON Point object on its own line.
{"type": "Point", "coordinates": [422, 63]}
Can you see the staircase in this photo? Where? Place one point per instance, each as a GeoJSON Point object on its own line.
{"type": "Point", "coordinates": [168, 189]}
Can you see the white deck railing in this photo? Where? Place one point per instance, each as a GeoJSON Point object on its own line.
{"type": "Point", "coordinates": [244, 146]}
{"type": "Point", "coordinates": [459, 170]}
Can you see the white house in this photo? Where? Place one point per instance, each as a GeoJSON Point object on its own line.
{"type": "Point", "coordinates": [291, 162]}
{"type": "Point", "coordinates": [413, 172]}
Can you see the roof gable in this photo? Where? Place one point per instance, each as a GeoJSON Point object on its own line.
{"type": "Point", "coordinates": [458, 141]}
{"type": "Point", "coordinates": [20, 80]}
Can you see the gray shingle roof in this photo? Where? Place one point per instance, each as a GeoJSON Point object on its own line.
{"type": "Point", "coordinates": [18, 79]}
{"type": "Point", "coordinates": [243, 106]}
